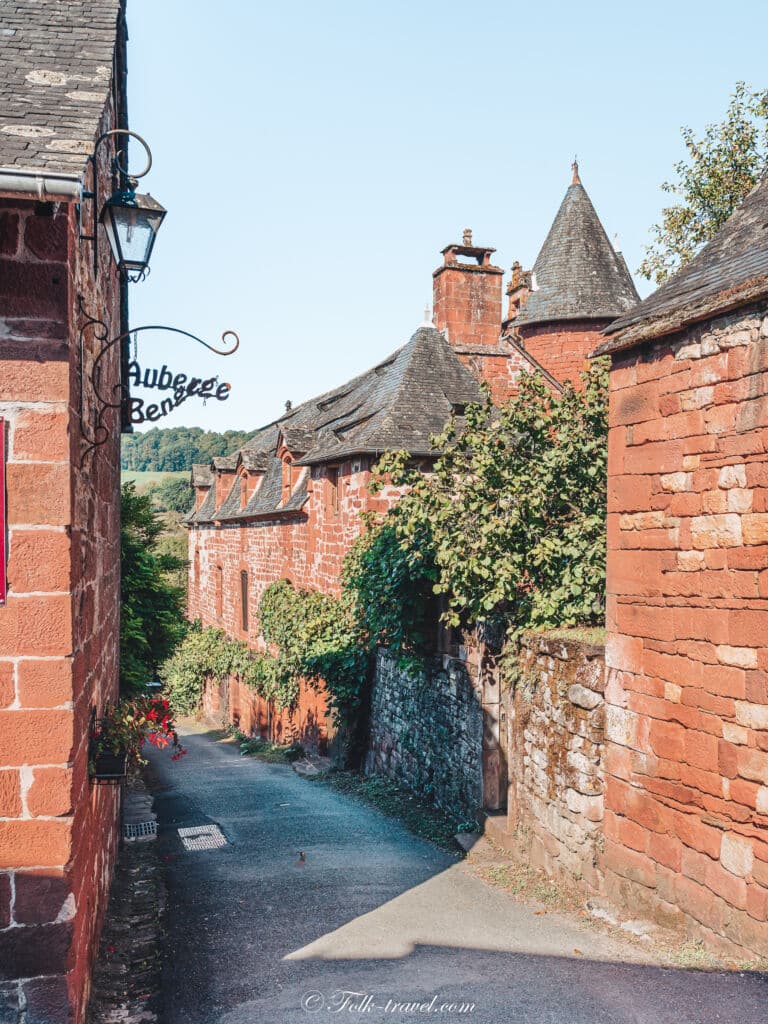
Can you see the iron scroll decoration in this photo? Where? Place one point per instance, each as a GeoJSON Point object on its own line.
{"type": "Point", "coordinates": [119, 172]}
{"type": "Point", "coordinates": [100, 330]}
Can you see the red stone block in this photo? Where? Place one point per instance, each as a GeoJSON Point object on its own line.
{"type": "Point", "coordinates": [33, 289]}
{"type": "Point", "coordinates": [631, 834]}
{"type": "Point", "coordinates": [727, 756]}
{"type": "Point", "coordinates": [7, 684]}
{"type": "Point", "coordinates": [694, 833]}
{"type": "Point", "coordinates": [46, 683]}
{"type": "Point", "coordinates": [701, 780]}
{"type": "Point", "coordinates": [630, 864]}
{"type": "Point", "coordinates": [35, 737]}
{"type": "Point", "coordinates": [51, 792]}
{"type": "Point", "coordinates": [724, 680]}
{"type": "Point", "coordinates": [743, 792]}
{"type": "Point", "coordinates": [41, 436]}
{"type": "Point", "coordinates": [26, 381]}
{"type": "Point", "coordinates": [701, 750]}
{"type": "Point", "coordinates": [39, 561]}
{"type": "Point", "coordinates": [10, 794]}
{"type": "Point", "coordinates": [46, 237]}
{"type": "Point", "coordinates": [665, 850]}
{"type": "Point", "coordinates": [34, 843]}
{"type": "Point", "coordinates": [730, 888]}
{"type": "Point", "coordinates": [697, 901]}
{"type": "Point", "coordinates": [757, 902]}
{"type": "Point", "coordinates": [32, 952]}
{"type": "Point", "coordinates": [40, 897]}
{"type": "Point", "coordinates": [38, 494]}
{"type": "Point", "coordinates": [36, 626]}
{"type": "Point", "coordinates": [667, 739]}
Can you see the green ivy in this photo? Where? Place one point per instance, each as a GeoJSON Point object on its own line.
{"type": "Point", "coordinates": [507, 527]}
{"type": "Point", "coordinates": [513, 511]}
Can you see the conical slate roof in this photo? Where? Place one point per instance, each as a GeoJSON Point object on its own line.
{"type": "Point", "coordinates": [730, 270]}
{"type": "Point", "coordinates": [578, 273]}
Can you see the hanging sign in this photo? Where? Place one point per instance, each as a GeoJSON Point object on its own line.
{"type": "Point", "coordinates": [3, 524]}
{"type": "Point", "coordinates": [180, 385]}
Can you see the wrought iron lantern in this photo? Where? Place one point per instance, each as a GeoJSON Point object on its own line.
{"type": "Point", "coordinates": [131, 222]}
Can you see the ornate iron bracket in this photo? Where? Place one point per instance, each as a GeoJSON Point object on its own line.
{"type": "Point", "coordinates": [100, 331]}
{"type": "Point", "coordinates": [118, 172]}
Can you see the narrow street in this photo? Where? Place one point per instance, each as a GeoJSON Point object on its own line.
{"type": "Point", "coordinates": [259, 934]}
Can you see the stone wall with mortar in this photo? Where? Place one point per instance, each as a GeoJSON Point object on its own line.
{"type": "Point", "coordinates": [555, 719]}
{"type": "Point", "coordinates": [686, 820]}
{"type": "Point", "coordinates": [427, 732]}
{"type": "Point", "coordinates": [59, 627]}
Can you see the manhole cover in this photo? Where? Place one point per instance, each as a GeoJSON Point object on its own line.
{"type": "Point", "coordinates": [140, 830]}
{"type": "Point", "coordinates": [202, 837]}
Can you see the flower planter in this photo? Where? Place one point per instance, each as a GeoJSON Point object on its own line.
{"type": "Point", "coordinates": [107, 766]}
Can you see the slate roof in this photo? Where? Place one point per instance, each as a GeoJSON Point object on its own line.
{"type": "Point", "coordinates": [398, 404]}
{"type": "Point", "coordinates": [579, 275]}
{"type": "Point", "coordinates": [731, 270]}
{"type": "Point", "coordinates": [55, 75]}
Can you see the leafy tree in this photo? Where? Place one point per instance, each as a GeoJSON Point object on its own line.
{"type": "Point", "coordinates": [172, 449]}
{"type": "Point", "coordinates": [721, 168]}
{"type": "Point", "coordinates": [152, 619]}
{"type": "Point", "coordinates": [513, 513]}
{"type": "Point", "coordinates": [172, 494]}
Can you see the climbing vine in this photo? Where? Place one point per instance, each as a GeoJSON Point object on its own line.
{"type": "Point", "coordinates": [507, 528]}
{"type": "Point", "coordinates": [513, 511]}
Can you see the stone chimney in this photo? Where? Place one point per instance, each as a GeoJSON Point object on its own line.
{"type": "Point", "coordinates": [467, 295]}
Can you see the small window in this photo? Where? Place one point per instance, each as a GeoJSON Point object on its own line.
{"type": "Point", "coordinates": [244, 600]}
{"type": "Point", "coordinates": [243, 490]}
{"type": "Point", "coordinates": [333, 490]}
{"type": "Point", "coordinates": [219, 593]}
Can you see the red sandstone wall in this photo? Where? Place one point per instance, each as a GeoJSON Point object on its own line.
{"type": "Point", "coordinates": [308, 548]}
{"type": "Point", "coordinates": [59, 629]}
{"type": "Point", "coordinates": [562, 349]}
{"type": "Point", "coordinates": [467, 303]}
{"type": "Point", "coordinates": [686, 821]}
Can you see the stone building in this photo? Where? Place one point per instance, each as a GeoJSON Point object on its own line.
{"type": "Point", "coordinates": [288, 505]}
{"type": "Point", "coordinates": [686, 762]}
{"type": "Point", "coordinates": [62, 83]}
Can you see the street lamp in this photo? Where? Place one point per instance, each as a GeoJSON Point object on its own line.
{"type": "Point", "coordinates": [131, 222]}
{"type": "Point", "coordinates": [130, 219]}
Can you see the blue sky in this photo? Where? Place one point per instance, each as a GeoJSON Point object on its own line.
{"type": "Point", "coordinates": [315, 157]}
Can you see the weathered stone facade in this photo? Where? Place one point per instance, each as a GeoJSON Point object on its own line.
{"type": "Point", "coordinates": [555, 722]}
{"type": "Point", "coordinates": [427, 732]}
{"type": "Point", "coordinates": [687, 704]}
{"type": "Point", "coordinates": [59, 627]}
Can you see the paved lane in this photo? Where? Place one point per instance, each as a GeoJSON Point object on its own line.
{"type": "Point", "coordinates": [374, 918]}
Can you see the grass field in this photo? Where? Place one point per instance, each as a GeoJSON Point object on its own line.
{"type": "Point", "coordinates": [142, 478]}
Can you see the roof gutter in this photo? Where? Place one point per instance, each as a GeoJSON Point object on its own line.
{"type": "Point", "coordinates": [43, 186]}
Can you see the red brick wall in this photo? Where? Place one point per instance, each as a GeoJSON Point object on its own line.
{"type": "Point", "coordinates": [562, 348]}
{"type": "Point", "coordinates": [307, 548]}
{"type": "Point", "coordinates": [467, 303]}
{"type": "Point", "coordinates": [59, 629]}
{"type": "Point", "coordinates": [686, 821]}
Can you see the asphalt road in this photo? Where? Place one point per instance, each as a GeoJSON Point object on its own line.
{"type": "Point", "coordinates": [375, 924]}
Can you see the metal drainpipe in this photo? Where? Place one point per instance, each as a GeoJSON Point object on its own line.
{"type": "Point", "coordinates": [44, 186]}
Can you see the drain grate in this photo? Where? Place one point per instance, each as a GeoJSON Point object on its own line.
{"type": "Point", "coordinates": [140, 830]}
{"type": "Point", "coordinates": [202, 837]}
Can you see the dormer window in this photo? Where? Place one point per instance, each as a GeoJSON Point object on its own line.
{"type": "Point", "coordinates": [288, 478]}
{"type": "Point", "coordinates": [243, 490]}
{"type": "Point", "coordinates": [332, 490]}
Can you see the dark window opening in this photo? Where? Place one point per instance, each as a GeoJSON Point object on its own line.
{"type": "Point", "coordinates": [219, 592]}
{"type": "Point", "coordinates": [333, 490]}
{"type": "Point", "coordinates": [244, 600]}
